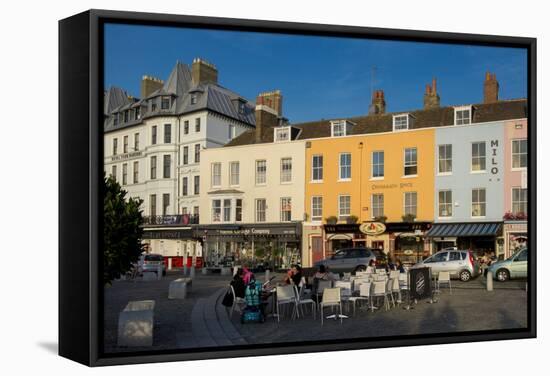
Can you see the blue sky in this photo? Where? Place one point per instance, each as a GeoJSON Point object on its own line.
{"type": "Point", "coordinates": [320, 77]}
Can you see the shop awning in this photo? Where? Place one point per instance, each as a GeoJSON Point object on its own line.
{"type": "Point", "coordinates": [464, 229]}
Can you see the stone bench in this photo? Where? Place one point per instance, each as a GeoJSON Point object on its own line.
{"type": "Point", "coordinates": [179, 287]}
{"type": "Point", "coordinates": [135, 324]}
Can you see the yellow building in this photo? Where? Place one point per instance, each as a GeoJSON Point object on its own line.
{"type": "Point", "coordinates": [372, 177]}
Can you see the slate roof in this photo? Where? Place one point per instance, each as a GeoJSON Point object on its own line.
{"type": "Point", "coordinates": [114, 98]}
{"type": "Point", "coordinates": [438, 117]}
{"type": "Point", "coordinates": [180, 87]}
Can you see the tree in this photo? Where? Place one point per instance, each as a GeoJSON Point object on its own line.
{"type": "Point", "coordinates": [122, 230]}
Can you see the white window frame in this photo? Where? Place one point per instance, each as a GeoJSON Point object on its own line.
{"type": "Point", "coordinates": [338, 123]}
{"type": "Point", "coordinates": [284, 212]}
{"type": "Point", "coordinates": [215, 176]}
{"type": "Point", "coordinates": [373, 165]}
{"type": "Point", "coordinates": [484, 203]}
{"type": "Point", "coordinates": [286, 175]}
{"type": "Point", "coordinates": [227, 209]}
{"type": "Point", "coordinates": [520, 202]}
{"type": "Point", "coordinates": [397, 122]}
{"type": "Point", "coordinates": [232, 131]}
{"type": "Point", "coordinates": [316, 207]}
{"type": "Point", "coordinates": [257, 212]}
{"type": "Point", "coordinates": [213, 216]}
{"type": "Point", "coordinates": [241, 210]}
{"type": "Point", "coordinates": [462, 109]}
{"type": "Point", "coordinates": [232, 174]}
{"type": "Point", "coordinates": [340, 215]}
{"type": "Point", "coordinates": [450, 215]}
{"type": "Point", "coordinates": [341, 166]}
{"type": "Point", "coordinates": [472, 157]}
{"type": "Point", "coordinates": [415, 206]}
{"type": "Point", "coordinates": [520, 168]}
{"type": "Point", "coordinates": [258, 177]}
{"type": "Point", "coordinates": [319, 168]}
{"type": "Point", "coordinates": [405, 165]}
{"type": "Point", "coordinates": [277, 131]}
{"type": "Point", "coordinates": [378, 206]}
{"type": "Point", "coordinates": [439, 159]}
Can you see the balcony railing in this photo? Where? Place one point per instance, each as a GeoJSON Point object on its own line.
{"type": "Point", "coordinates": [171, 220]}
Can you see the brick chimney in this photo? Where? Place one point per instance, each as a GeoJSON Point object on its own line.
{"type": "Point", "coordinates": [490, 88]}
{"type": "Point", "coordinates": [203, 72]}
{"type": "Point", "coordinates": [149, 84]}
{"type": "Point", "coordinates": [431, 98]}
{"type": "Point", "coordinates": [272, 99]}
{"type": "Point", "coordinates": [269, 106]}
{"type": "Point", "coordinates": [378, 106]}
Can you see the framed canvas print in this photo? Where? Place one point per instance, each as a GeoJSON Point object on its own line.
{"type": "Point", "coordinates": [257, 187]}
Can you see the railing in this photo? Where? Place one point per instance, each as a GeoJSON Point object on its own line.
{"type": "Point", "coordinates": [173, 220]}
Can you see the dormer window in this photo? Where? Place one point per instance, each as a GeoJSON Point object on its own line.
{"type": "Point", "coordinates": [153, 106]}
{"type": "Point", "coordinates": [193, 98]}
{"type": "Point", "coordinates": [115, 120]}
{"type": "Point", "coordinates": [282, 134]}
{"type": "Point", "coordinates": [126, 116]}
{"type": "Point", "coordinates": [401, 122]}
{"type": "Point", "coordinates": [165, 103]}
{"type": "Point", "coordinates": [138, 113]}
{"type": "Point", "coordinates": [463, 115]}
{"type": "Point", "coordinates": [338, 128]}
{"type": "Point", "coordinates": [241, 107]}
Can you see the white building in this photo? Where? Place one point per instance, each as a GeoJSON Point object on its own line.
{"type": "Point", "coordinates": [153, 146]}
{"type": "Point", "coordinates": [252, 201]}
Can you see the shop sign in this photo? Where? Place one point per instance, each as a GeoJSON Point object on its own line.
{"type": "Point", "coordinates": [131, 155]}
{"type": "Point", "coordinates": [420, 283]}
{"type": "Point", "coordinates": [342, 229]}
{"type": "Point", "coordinates": [372, 228]}
{"type": "Point", "coordinates": [251, 231]}
{"type": "Point", "coordinates": [168, 234]}
{"type": "Point", "coordinates": [408, 252]}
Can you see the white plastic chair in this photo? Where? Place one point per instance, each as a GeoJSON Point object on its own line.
{"type": "Point", "coordinates": [445, 279]}
{"type": "Point", "coordinates": [286, 295]}
{"type": "Point", "coordinates": [364, 294]}
{"type": "Point", "coordinates": [322, 285]}
{"type": "Point", "coordinates": [331, 298]}
{"type": "Point", "coordinates": [237, 302]}
{"type": "Point", "coordinates": [394, 274]}
{"type": "Point", "coordinates": [380, 291]}
{"type": "Point", "coordinates": [301, 301]}
{"type": "Point", "coordinates": [346, 277]}
{"type": "Point", "coordinates": [345, 292]}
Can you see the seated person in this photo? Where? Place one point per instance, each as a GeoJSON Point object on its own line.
{"type": "Point", "coordinates": [399, 266]}
{"type": "Point", "coordinates": [371, 268]}
{"type": "Point", "coordinates": [238, 284]}
{"type": "Point", "coordinates": [293, 276]}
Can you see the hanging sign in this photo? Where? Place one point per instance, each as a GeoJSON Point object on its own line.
{"type": "Point", "coordinates": [372, 228]}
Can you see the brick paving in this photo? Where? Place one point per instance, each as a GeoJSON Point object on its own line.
{"type": "Point", "coordinates": [201, 321]}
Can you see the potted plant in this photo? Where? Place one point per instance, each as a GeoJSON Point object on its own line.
{"type": "Point", "coordinates": [408, 217]}
{"type": "Point", "coordinates": [380, 218]}
{"type": "Point", "coordinates": [351, 219]}
{"type": "Point", "coordinates": [332, 220]}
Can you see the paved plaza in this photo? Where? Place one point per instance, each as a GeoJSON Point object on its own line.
{"type": "Point", "coordinates": [201, 321]}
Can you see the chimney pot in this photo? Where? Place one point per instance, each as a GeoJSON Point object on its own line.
{"type": "Point", "coordinates": [490, 88]}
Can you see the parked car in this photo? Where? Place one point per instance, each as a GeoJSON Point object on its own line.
{"type": "Point", "coordinates": [150, 262]}
{"type": "Point", "coordinates": [352, 259]}
{"type": "Point", "coordinates": [460, 263]}
{"type": "Point", "coordinates": [513, 267]}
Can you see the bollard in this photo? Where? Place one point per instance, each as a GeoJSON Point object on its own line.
{"type": "Point", "coordinates": [159, 272]}
{"type": "Point", "coordinates": [192, 272]}
{"type": "Point", "coordinates": [489, 281]}
{"type": "Point", "coordinates": [267, 275]}
{"type": "Point", "coordinates": [170, 264]}
{"type": "Point", "coordinates": [184, 269]}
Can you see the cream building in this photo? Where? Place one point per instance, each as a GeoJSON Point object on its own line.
{"type": "Point", "coordinates": [252, 201]}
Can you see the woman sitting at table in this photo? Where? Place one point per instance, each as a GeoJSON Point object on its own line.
{"type": "Point", "coordinates": [371, 268]}
{"type": "Point", "coordinates": [399, 266]}
{"type": "Point", "coordinates": [390, 265]}
{"type": "Point", "coordinates": [293, 276]}
{"type": "Point", "coordinates": [238, 284]}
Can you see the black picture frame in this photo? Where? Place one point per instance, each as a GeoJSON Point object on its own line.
{"type": "Point", "coordinates": [80, 171]}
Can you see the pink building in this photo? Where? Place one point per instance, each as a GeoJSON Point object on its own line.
{"type": "Point", "coordinates": [515, 186]}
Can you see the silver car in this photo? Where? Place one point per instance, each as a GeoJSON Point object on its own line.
{"type": "Point", "coordinates": [150, 263]}
{"type": "Point", "coordinates": [459, 263]}
{"type": "Point", "coordinates": [352, 259]}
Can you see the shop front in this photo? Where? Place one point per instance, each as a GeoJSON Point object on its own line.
{"type": "Point", "coordinates": [339, 236]}
{"type": "Point", "coordinates": [514, 234]}
{"type": "Point", "coordinates": [277, 245]}
{"type": "Point", "coordinates": [479, 237]}
{"type": "Point", "coordinates": [176, 245]}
